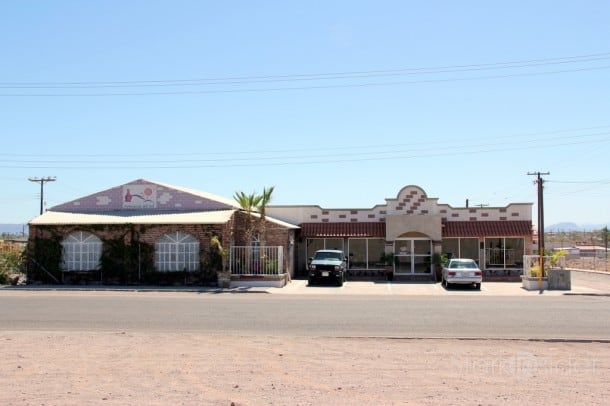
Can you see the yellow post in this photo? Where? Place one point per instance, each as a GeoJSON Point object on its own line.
{"type": "Point", "coordinates": [541, 262]}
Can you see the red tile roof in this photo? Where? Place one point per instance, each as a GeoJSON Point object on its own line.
{"type": "Point", "coordinates": [450, 229]}
{"type": "Point", "coordinates": [367, 229]}
{"type": "Point", "coordinates": [487, 228]}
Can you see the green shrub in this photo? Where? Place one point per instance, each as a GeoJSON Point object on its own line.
{"type": "Point", "coordinates": [11, 263]}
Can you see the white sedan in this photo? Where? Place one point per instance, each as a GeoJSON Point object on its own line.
{"type": "Point", "coordinates": [462, 271]}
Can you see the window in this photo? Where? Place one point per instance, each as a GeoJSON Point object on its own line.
{"type": "Point", "coordinates": [461, 248]}
{"type": "Point", "coordinates": [364, 253]}
{"type": "Point", "coordinates": [81, 251]}
{"type": "Point", "coordinates": [177, 252]}
{"type": "Point", "coordinates": [315, 244]}
{"type": "Point", "coordinates": [504, 252]}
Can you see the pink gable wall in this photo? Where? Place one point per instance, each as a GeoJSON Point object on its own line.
{"type": "Point", "coordinates": [141, 195]}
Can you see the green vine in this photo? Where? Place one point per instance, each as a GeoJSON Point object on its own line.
{"type": "Point", "coordinates": [44, 254]}
{"type": "Point", "coordinates": [125, 259]}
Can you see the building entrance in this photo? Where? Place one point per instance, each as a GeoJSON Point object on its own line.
{"type": "Point", "coordinates": [413, 256]}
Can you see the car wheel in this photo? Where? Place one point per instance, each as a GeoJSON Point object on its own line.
{"type": "Point", "coordinates": [310, 282]}
{"type": "Point", "coordinates": [447, 285]}
{"type": "Point", "coordinates": [477, 286]}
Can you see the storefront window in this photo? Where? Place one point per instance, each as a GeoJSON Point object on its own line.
{"type": "Point", "coordinates": [365, 253]}
{"type": "Point", "coordinates": [315, 244]}
{"type": "Point", "coordinates": [461, 248]}
{"type": "Point", "coordinates": [376, 247]}
{"type": "Point", "coordinates": [358, 256]}
{"type": "Point", "coordinates": [504, 252]}
{"type": "Point", "coordinates": [469, 248]}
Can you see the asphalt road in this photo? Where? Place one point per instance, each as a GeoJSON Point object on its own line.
{"type": "Point", "coordinates": [569, 317]}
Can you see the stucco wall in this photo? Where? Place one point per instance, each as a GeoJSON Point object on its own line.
{"type": "Point", "coordinates": [397, 225]}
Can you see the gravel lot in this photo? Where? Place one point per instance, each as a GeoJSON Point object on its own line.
{"type": "Point", "coordinates": [137, 368]}
{"type": "Point", "coordinates": [126, 368]}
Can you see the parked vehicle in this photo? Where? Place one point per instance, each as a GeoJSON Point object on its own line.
{"type": "Point", "coordinates": [327, 265]}
{"type": "Point", "coordinates": [462, 271]}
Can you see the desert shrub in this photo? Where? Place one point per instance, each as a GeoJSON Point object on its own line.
{"type": "Point", "coordinates": [11, 263]}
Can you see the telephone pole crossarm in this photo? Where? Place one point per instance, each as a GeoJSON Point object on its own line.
{"type": "Point", "coordinates": [42, 181]}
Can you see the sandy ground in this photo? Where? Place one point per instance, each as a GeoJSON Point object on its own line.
{"type": "Point", "coordinates": [591, 264]}
{"type": "Point", "coordinates": [137, 368]}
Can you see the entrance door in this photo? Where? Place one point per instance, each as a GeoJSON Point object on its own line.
{"type": "Point", "coordinates": [413, 256]}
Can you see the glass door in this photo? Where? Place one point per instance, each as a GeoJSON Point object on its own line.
{"type": "Point", "coordinates": [413, 256]}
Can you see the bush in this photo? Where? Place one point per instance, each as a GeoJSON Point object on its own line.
{"type": "Point", "coordinates": [11, 263]}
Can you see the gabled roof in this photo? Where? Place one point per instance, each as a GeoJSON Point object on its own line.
{"type": "Point", "coordinates": [144, 194]}
{"type": "Point", "coordinates": [205, 195]}
{"type": "Point", "coordinates": [62, 218]}
{"type": "Point", "coordinates": [515, 228]}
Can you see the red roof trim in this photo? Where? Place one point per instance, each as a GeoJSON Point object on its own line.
{"type": "Point", "coordinates": [517, 228]}
{"type": "Point", "coordinates": [451, 229]}
{"type": "Point", "coordinates": [351, 229]}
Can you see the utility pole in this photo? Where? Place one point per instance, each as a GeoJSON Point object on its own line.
{"type": "Point", "coordinates": [42, 181]}
{"type": "Point", "coordinates": [539, 181]}
{"type": "Point", "coordinates": [605, 230]}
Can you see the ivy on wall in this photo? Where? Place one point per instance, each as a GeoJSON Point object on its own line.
{"type": "Point", "coordinates": [125, 258]}
{"type": "Point", "coordinates": [123, 262]}
{"type": "Point", "coordinates": [44, 258]}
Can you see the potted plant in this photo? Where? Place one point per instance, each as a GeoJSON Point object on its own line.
{"type": "Point", "coordinates": [389, 260]}
{"type": "Point", "coordinates": [536, 276]}
{"type": "Point", "coordinates": [438, 260]}
{"type": "Point", "coordinates": [224, 274]}
{"type": "Point", "coordinates": [559, 278]}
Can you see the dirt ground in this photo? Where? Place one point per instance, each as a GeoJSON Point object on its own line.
{"type": "Point", "coordinates": [136, 368]}
{"type": "Point", "coordinates": [591, 264]}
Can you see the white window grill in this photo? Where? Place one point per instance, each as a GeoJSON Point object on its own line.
{"type": "Point", "coordinates": [81, 251]}
{"type": "Point", "coordinates": [176, 252]}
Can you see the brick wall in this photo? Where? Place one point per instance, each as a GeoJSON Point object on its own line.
{"type": "Point", "coordinates": [231, 232]}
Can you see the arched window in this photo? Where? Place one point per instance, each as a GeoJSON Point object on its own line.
{"type": "Point", "coordinates": [177, 252]}
{"type": "Point", "coordinates": [81, 251]}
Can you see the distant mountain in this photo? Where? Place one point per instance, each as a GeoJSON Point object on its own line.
{"type": "Point", "coordinates": [567, 227]}
{"type": "Point", "coordinates": [15, 229]}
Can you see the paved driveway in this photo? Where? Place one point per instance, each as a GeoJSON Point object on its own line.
{"type": "Point", "coordinates": [583, 283]}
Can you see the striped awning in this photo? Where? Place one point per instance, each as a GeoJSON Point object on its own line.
{"type": "Point", "coordinates": [327, 230]}
{"type": "Point", "coordinates": [517, 228]}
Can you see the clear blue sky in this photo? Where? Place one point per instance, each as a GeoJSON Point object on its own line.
{"type": "Point", "coordinates": [335, 103]}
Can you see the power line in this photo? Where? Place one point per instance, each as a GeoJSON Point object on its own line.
{"type": "Point", "coordinates": [301, 159]}
{"type": "Point", "coordinates": [294, 88]}
{"type": "Point", "coordinates": [580, 182]}
{"type": "Point", "coordinates": [283, 160]}
{"type": "Point", "coordinates": [318, 76]}
{"type": "Point", "coordinates": [497, 143]}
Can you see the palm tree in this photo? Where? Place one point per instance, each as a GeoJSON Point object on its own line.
{"type": "Point", "coordinates": [249, 203]}
{"type": "Point", "coordinates": [265, 199]}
